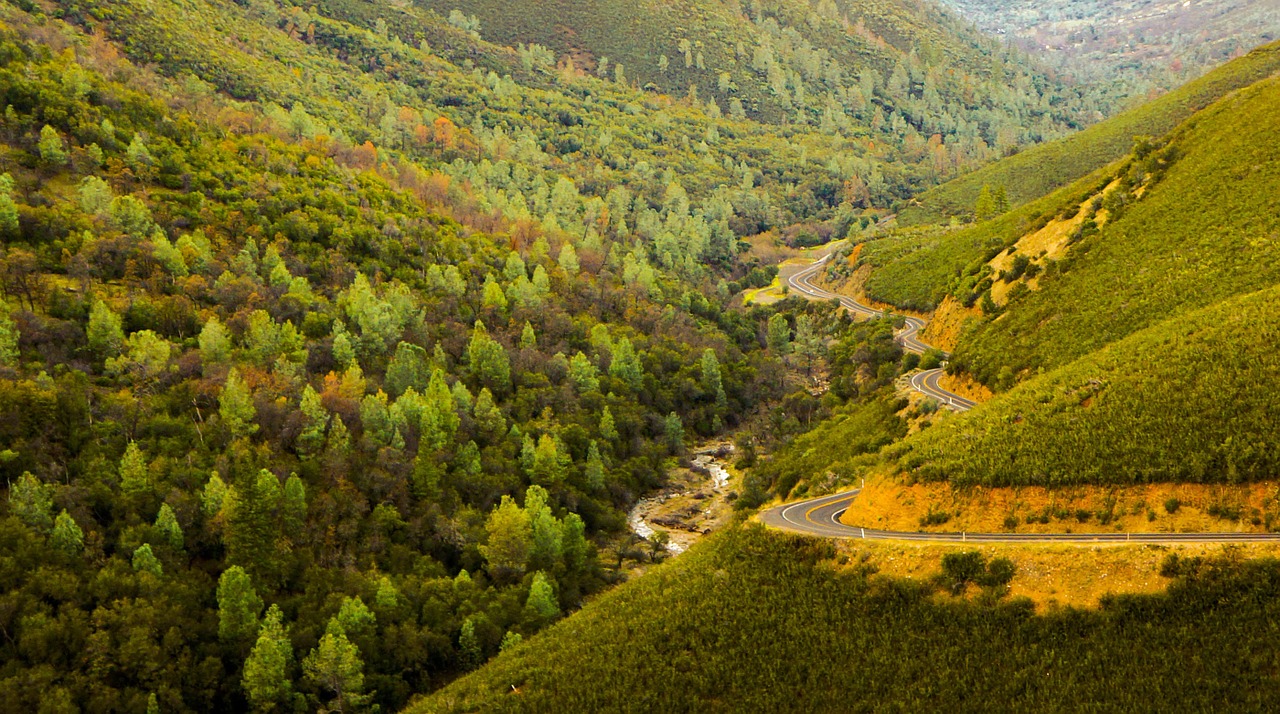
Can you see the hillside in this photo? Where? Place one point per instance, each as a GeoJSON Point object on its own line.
{"type": "Point", "coordinates": [735, 624]}
{"type": "Point", "coordinates": [1040, 170]}
{"type": "Point", "coordinates": [1191, 222]}
{"type": "Point", "coordinates": [1190, 399]}
{"type": "Point", "coordinates": [1133, 48]}
{"type": "Point", "coordinates": [907, 76]}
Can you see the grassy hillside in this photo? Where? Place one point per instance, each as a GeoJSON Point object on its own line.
{"type": "Point", "coordinates": [1039, 170]}
{"type": "Point", "coordinates": [1191, 399]}
{"type": "Point", "coordinates": [749, 621]}
{"type": "Point", "coordinates": [1203, 228]}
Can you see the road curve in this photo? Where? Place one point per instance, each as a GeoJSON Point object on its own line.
{"type": "Point", "coordinates": [821, 517]}
{"type": "Point", "coordinates": [925, 382]}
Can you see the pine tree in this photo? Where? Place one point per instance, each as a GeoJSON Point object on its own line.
{"type": "Point", "coordinates": [67, 538]}
{"type": "Point", "coordinates": [583, 374]}
{"type": "Point", "coordinates": [213, 496]}
{"type": "Point", "coordinates": [488, 416]}
{"type": "Point", "coordinates": [488, 360]}
{"type": "Point", "coordinates": [293, 507]}
{"type": "Point", "coordinates": [215, 342]}
{"type": "Point", "coordinates": [711, 381]}
{"type": "Point", "coordinates": [235, 406]}
{"type": "Point", "coordinates": [53, 151]}
{"type": "Point", "coordinates": [135, 477]}
{"type": "Point", "coordinates": [547, 536]}
{"type": "Point", "coordinates": [335, 667]}
{"type": "Point", "coordinates": [409, 367]}
{"type": "Point", "coordinates": [267, 681]}
{"type": "Point", "coordinates": [568, 260]}
{"type": "Point", "coordinates": [541, 607]}
{"type": "Point", "coordinates": [548, 462]}
{"type": "Point", "coordinates": [238, 606]}
{"type": "Point", "coordinates": [607, 428]}
{"type": "Point", "coordinates": [528, 338]}
{"type": "Point", "coordinates": [315, 422]}
{"type": "Point", "coordinates": [509, 542]}
{"type": "Point", "coordinates": [674, 430]}
{"type": "Point", "coordinates": [105, 336]}
{"type": "Point", "coordinates": [8, 209]}
{"type": "Point", "coordinates": [32, 502]}
{"type": "Point", "coordinates": [144, 560]}
{"type": "Point", "coordinates": [469, 646]}
{"type": "Point", "coordinates": [253, 528]}
{"type": "Point", "coordinates": [8, 340]}
{"type": "Point", "coordinates": [985, 208]}
{"type": "Point", "coordinates": [626, 365]}
{"type": "Point", "coordinates": [168, 529]}
{"type": "Point", "coordinates": [779, 335]}
{"type": "Point", "coordinates": [594, 471]}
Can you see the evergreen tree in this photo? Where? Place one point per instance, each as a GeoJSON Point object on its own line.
{"type": "Point", "coordinates": [568, 260]}
{"type": "Point", "coordinates": [53, 151]}
{"type": "Point", "coordinates": [549, 463]}
{"type": "Point", "coordinates": [267, 681]}
{"type": "Point", "coordinates": [469, 646]}
{"type": "Point", "coordinates": [293, 507]}
{"type": "Point", "coordinates": [985, 208]}
{"type": "Point", "coordinates": [583, 374]}
{"type": "Point", "coordinates": [213, 496]}
{"type": "Point", "coordinates": [510, 535]}
{"type": "Point", "coordinates": [105, 336]}
{"type": "Point", "coordinates": [335, 668]}
{"type": "Point", "coordinates": [8, 209]}
{"type": "Point", "coordinates": [574, 539]}
{"type": "Point", "coordinates": [144, 560]}
{"type": "Point", "coordinates": [135, 477]}
{"type": "Point", "coordinates": [409, 367]}
{"type": "Point", "coordinates": [779, 335]}
{"type": "Point", "coordinates": [168, 528]}
{"type": "Point", "coordinates": [32, 502]}
{"type": "Point", "coordinates": [238, 605]}
{"type": "Point", "coordinates": [528, 338]}
{"type": "Point", "coordinates": [547, 537]}
{"type": "Point", "coordinates": [541, 607]}
{"type": "Point", "coordinates": [488, 416]}
{"type": "Point", "coordinates": [235, 406]}
{"type": "Point", "coordinates": [594, 471]}
{"type": "Point", "coordinates": [626, 365]}
{"type": "Point", "coordinates": [67, 538]}
{"type": "Point", "coordinates": [492, 297]}
{"type": "Point", "coordinates": [607, 428]}
{"type": "Point", "coordinates": [488, 360]}
{"type": "Point", "coordinates": [509, 641]}
{"type": "Point", "coordinates": [8, 340]}
{"type": "Point", "coordinates": [315, 422]}
{"type": "Point", "coordinates": [215, 342]}
{"type": "Point", "coordinates": [674, 430]}
{"type": "Point", "coordinates": [253, 531]}
{"type": "Point", "coordinates": [711, 381]}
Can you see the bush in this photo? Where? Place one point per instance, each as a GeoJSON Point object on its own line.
{"type": "Point", "coordinates": [1171, 505]}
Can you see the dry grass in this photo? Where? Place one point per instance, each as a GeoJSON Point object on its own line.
{"type": "Point", "coordinates": [947, 322]}
{"type": "Point", "coordinates": [888, 502]}
{"type": "Point", "coordinates": [1051, 575]}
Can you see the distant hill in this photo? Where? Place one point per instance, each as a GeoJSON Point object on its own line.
{"type": "Point", "coordinates": [1041, 169]}
{"type": "Point", "coordinates": [1130, 48]}
{"type": "Point", "coordinates": [758, 621]}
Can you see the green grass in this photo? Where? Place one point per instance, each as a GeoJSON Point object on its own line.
{"type": "Point", "coordinates": [1041, 169]}
{"type": "Point", "coordinates": [1208, 230]}
{"type": "Point", "coordinates": [1189, 400]}
{"type": "Point", "coordinates": [748, 621]}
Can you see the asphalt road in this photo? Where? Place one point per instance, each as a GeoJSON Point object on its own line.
{"type": "Point", "coordinates": [924, 382]}
{"type": "Point", "coordinates": [821, 517]}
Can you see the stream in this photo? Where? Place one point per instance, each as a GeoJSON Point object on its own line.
{"type": "Point", "coordinates": [707, 461]}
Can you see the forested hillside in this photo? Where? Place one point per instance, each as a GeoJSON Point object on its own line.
{"type": "Point", "coordinates": [911, 78]}
{"type": "Point", "coordinates": [759, 621]}
{"type": "Point", "coordinates": [318, 407]}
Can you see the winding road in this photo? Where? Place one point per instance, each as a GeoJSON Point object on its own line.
{"type": "Point", "coordinates": [821, 516]}
{"type": "Point", "coordinates": [925, 382]}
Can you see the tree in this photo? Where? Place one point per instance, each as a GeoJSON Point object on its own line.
{"type": "Point", "coordinates": [548, 538]}
{"type": "Point", "coordinates": [8, 341]}
{"type": "Point", "coordinates": [266, 680]}
{"type": "Point", "coordinates": [8, 209]}
{"type": "Point", "coordinates": [594, 471]}
{"type": "Point", "coordinates": [626, 365]}
{"type": "Point", "coordinates": [409, 367]}
{"type": "Point", "coordinates": [568, 260]}
{"type": "Point", "coordinates": [53, 151]}
{"type": "Point", "coordinates": [214, 495]}
{"type": "Point", "coordinates": [528, 338]}
{"type": "Point", "coordinates": [711, 382]}
{"type": "Point", "coordinates": [146, 561]}
{"type": "Point", "coordinates": [293, 507]}
{"type": "Point", "coordinates": [238, 605]}
{"type": "Point", "coordinates": [105, 336]}
{"type": "Point", "coordinates": [549, 463]}
{"type": "Point", "coordinates": [215, 342]}
{"type": "Point", "coordinates": [253, 527]}
{"type": "Point", "coordinates": [607, 428]}
{"type": "Point", "coordinates": [488, 360]}
{"type": "Point", "coordinates": [583, 374]}
{"type": "Point", "coordinates": [509, 543]}
{"type": "Point", "coordinates": [985, 208]}
{"type": "Point", "coordinates": [235, 406]}
{"type": "Point", "coordinates": [1001, 200]}
{"type": "Point", "coordinates": [488, 416]}
{"type": "Point", "coordinates": [541, 607]}
{"type": "Point", "coordinates": [67, 538]}
{"type": "Point", "coordinates": [469, 645]}
{"type": "Point", "coordinates": [168, 528]}
{"type": "Point", "coordinates": [779, 335]}
{"type": "Point", "coordinates": [32, 502]}
{"type": "Point", "coordinates": [335, 668]}
{"type": "Point", "coordinates": [673, 428]}
{"type": "Point", "coordinates": [135, 478]}
{"type": "Point", "coordinates": [492, 297]}
{"type": "Point", "coordinates": [574, 539]}
{"type": "Point", "coordinates": [315, 422]}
